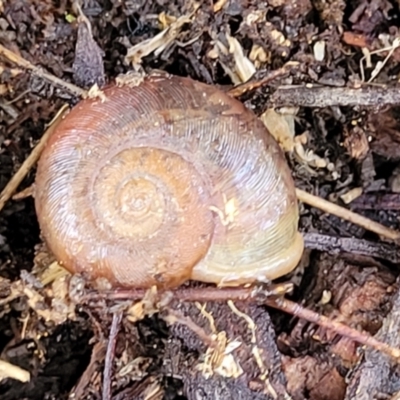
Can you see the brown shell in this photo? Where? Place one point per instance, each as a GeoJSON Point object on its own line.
{"type": "Point", "coordinates": [167, 181]}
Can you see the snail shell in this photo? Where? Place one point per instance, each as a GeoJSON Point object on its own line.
{"type": "Point", "coordinates": [167, 181]}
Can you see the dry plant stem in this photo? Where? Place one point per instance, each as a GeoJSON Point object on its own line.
{"type": "Point", "coordinates": [8, 370]}
{"type": "Point", "coordinates": [333, 244]}
{"type": "Point", "coordinates": [14, 182]}
{"type": "Point", "coordinates": [302, 96]}
{"type": "Point", "coordinates": [21, 62]}
{"type": "Point", "coordinates": [360, 337]}
{"type": "Point", "coordinates": [24, 193]}
{"type": "Point", "coordinates": [259, 296]}
{"type": "Point", "coordinates": [257, 293]}
{"type": "Point", "coordinates": [252, 85]}
{"type": "Point", "coordinates": [174, 316]}
{"type": "Point", "coordinates": [112, 341]}
{"type": "Point", "coordinates": [348, 215]}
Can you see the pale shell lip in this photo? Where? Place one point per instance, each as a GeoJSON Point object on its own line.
{"type": "Point", "coordinates": [261, 272]}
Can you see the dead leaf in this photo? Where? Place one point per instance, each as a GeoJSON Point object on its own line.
{"type": "Point", "coordinates": [281, 126]}
{"type": "Point", "coordinates": [356, 142]}
{"type": "Point", "coordinates": [158, 43]}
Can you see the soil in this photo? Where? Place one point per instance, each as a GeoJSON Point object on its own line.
{"type": "Point", "coordinates": [344, 152]}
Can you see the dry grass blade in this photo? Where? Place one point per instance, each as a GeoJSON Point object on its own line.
{"type": "Point", "coordinates": [348, 215]}
{"type": "Point", "coordinates": [158, 43]}
{"type": "Point", "coordinates": [21, 62]}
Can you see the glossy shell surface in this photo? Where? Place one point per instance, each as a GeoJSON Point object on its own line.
{"type": "Point", "coordinates": [167, 181]}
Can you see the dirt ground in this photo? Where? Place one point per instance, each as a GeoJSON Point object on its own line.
{"type": "Point", "coordinates": [331, 71]}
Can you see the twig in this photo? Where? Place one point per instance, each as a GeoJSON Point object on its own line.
{"type": "Point", "coordinates": [24, 193]}
{"type": "Point", "coordinates": [303, 96]}
{"type": "Point", "coordinates": [332, 244]}
{"type": "Point", "coordinates": [112, 341]}
{"type": "Point", "coordinates": [8, 370]}
{"type": "Point", "coordinates": [20, 96]}
{"type": "Point", "coordinates": [14, 182]}
{"type": "Point", "coordinates": [259, 295]}
{"type": "Point", "coordinates": [348, 215]}
{"type": "Point", "coordinates": [204, 294]}
{"type": "Point", "coordinates": [174, 316]}
{"type": "Point", "coordinates": [254, 84]}
{"type": "Point", "coordinates": [21, 62]}
{"type": "Point", "coordinates": [360, 337]}
{"type": "Point", "coordinates": [380, 64]}
{"type": "Point", "coordinates": [10, 110]}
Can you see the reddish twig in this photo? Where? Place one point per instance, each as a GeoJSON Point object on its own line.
{"type": "Point", "coordinates": [272, 297]}
{"type": "Point", "coordinates": [196, 294]}
{"type": "Point", "coordinates": [293, 308]}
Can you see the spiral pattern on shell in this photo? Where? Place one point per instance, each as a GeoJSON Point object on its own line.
{"type": "Point", "coordinates": [167, 181]}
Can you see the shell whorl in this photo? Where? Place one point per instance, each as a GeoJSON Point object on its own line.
{"type": "Point", "coordinates": [167, 181]}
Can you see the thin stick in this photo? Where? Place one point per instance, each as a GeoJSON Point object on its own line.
{"type": "Point", "coordinates": [320, 97]}
{"type": "Point", "coordinates": [258, 296]}
{"type": "Point", "coordinates": [24, 193]}
{"type": "Point", "coordinates": [333, 244]}
{"type": "Point", "coordinates": [348, 215]}
{"type": "Point", "coordinates": [293, 308]}
{"type": "Point", "coordinates": [253, 84]}
{"type": "Point", "coordinates": [14, 182]}
{"type": "Point", "coordinates": [112, 342]}
{"type": "Point", "coordinates": [209, 293]}
{"type": "Point", "coordinates": [21, 62]}
{"type": "Point", "coordinates": [174, 316]}
{"type": "Point", "coordinates": [8, 370]}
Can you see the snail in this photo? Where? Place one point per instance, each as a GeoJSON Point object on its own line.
{"type": "Point", "coordinates": [167, 181]}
